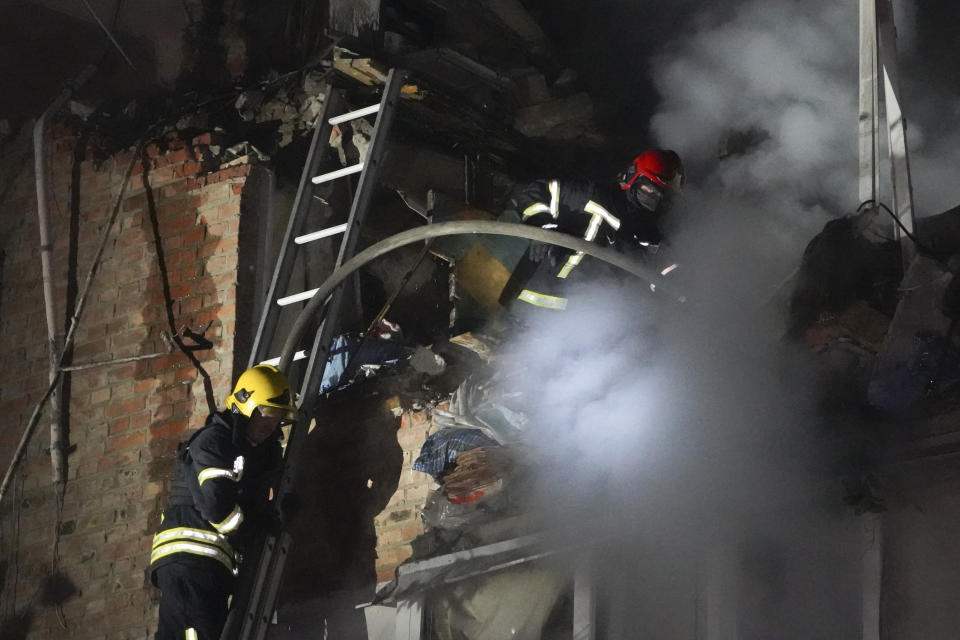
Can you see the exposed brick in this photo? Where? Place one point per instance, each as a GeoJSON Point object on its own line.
{"type": "Point", "coordinates": [229, 210]}
{"type": "Point", "coordinates": [100, 395]}
{"type": "Point", "coordinates": [124, 407]}
{"type": "Point", "coordinates": [119, 425]}
{"type": "Point", "coordinates": [139, 420]}
{"type": "Point", "coordinates": [126, 441]}
{"type": "Point", "coordinates": [194, 235]}
{"type": "Point", "coordinates": [174, 189]}
{"type": "Point", "coordinates": [185, 273]}
{"type": "Point", "coordinates": [188, 169]}
{"type": "Point", "coordinates": [122, 456]}
{"type": "Point", "coordinates": [174, 157]}
{"type": "Point", "coordinates": [135, 203]}
{"type": "Point", "coordinates": [411, 437]}
{"type": "Point", "coordinates": [179, 223]}
{"type": "Point", "coordinates": [117, 459]}
{"type": "Point", "coordinates": [168, 429]}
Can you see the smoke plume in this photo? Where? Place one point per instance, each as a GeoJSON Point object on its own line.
{"type": "Point", "coordinates": [682, 442]}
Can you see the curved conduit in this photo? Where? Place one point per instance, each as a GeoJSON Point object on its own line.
{"type": "Point", "coordinates": [471, 227]}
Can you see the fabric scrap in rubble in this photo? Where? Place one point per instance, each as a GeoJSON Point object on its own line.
{"type": "Point", "coordinates": [441, 449]}
{"type": "Point", "coordinates": [385, 345]}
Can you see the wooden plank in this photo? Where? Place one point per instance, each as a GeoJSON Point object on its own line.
{"type": "Point", "coordinates": [363, 70]}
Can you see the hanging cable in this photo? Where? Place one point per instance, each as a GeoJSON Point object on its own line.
{"type": "Point", "coordinates": [880, 205]}
{"type": "Point", "coordinates": [109, 35]}
{"type": "Point", "coordinates": [78, 310]}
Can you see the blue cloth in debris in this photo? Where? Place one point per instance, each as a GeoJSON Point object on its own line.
{"type": "Point", "coordinates": [344, 348]}
{"type": "Point", "coordinates": [441, 449]}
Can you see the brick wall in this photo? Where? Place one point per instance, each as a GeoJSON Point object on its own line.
{"type": "Point", "coordinates": [125, 420]}
{"type": "Point", "coordinates": [400, 522]}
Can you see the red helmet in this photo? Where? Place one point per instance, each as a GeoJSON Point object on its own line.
{"type": "Point", "coordinates": [649, 175]}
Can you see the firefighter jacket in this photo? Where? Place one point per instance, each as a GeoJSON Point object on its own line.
{"type": "Point", "coordinates": [219, 492]}
{"type": "Point", "coordinates": [580, 209]}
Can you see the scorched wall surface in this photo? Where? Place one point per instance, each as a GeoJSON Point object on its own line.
{"type": "Point", "coordinates": [124, 420]}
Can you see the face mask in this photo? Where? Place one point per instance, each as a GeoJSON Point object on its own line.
{"type": "Point", "coordinates": [645, 193]}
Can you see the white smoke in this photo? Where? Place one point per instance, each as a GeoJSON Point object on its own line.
{"type": "Point", "coordinates": [790, 69]}
{"type": "Point", "coordinates": [690, 432]}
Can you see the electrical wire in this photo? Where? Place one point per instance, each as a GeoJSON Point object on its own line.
{"type": "Point", "coordinates": [880, 205]}
{"type": "Point", "coordinates": [74, 321]}
{"type": "Point", "coordinates": [165, 281]}
{"type": "Point", "coordinates": [109, 35]}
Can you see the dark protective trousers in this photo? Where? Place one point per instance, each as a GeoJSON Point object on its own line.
{"type": "Point", "coordinates": [193, 600]}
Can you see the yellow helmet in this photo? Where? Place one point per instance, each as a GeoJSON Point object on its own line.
{"type": "Point", "coordinates": [262, 386]}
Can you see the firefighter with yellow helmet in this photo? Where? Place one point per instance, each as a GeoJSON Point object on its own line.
{"type": "Point", "coordinates": [219, 491]}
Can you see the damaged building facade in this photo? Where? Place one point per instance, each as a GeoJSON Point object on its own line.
{"type": "Point", "coordinates": [429, 501]}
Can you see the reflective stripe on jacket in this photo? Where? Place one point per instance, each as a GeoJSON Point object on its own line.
{"type": "Point", "coordinates": [573, 208]}
{"type": "Point", "coordinates": [218, 481]}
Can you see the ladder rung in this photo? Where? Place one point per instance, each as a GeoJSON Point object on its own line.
{"type": "Point", "coordinates": [297, 297]}
{"type": "Point", "coordinates": [323, 233]}
{"type": "Point", "coordinates": [339, 173]}
{"type": "Point", "coordinates": [299, 355]}
{"type": "Point", "coordinates": [353, 115]}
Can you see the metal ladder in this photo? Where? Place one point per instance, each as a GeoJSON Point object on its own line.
{"type": "Point", "coordinates": [255, 601]}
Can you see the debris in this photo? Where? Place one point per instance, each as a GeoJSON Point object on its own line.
{"type": "Point", "coordinates": [313, 83]}
{"type": "Point", "coordinates": [840, 266]}
{"type": "Point", "coordinates": [441, 449]}
{"type": "Point", "coordinates": [248, 104]}
{"type": "Point", "coordinates": [83, 110]}
{"type": "Point", "coordinates": [559, 119]}
{"type": "Point", "coordinates": [364, 70]}
{"type": "Point", "coordinates": [530, 87]}
{"type": "Point", "coordinates": [426, 361]}
{"type": "Point", "coordinates": [361, 134]}
{"type": "Point", "coordinates": [910, 357]}
{"type": "Point", "coordinates": [383, 346]}
{"type": "Point", "coordinates": [353, 17]}
{"type": "Point", "coordinates": [565, 84]}
{"type": "Point", "coordinates": [473, 343]}
{"type": "Point", "coordinates": [515, 17]}
{"type": "Point", "coordinates": [515, 603]}
{"type": "Point", "coordinates": [242, 153]}
{"type": "Point", "coordinates": [478, 472]}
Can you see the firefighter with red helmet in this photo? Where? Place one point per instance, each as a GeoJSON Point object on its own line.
{"type": "Point", "coordinates": [622, 215]}
{"type": "Point", "coordinates": [218, 497]}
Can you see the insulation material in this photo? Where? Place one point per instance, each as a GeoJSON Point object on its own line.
{"type": "Point", "coordinates": [482, 276]}
{"type": "Point", "coordinates": [354, 16]}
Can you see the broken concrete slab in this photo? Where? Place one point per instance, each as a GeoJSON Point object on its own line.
{"type": "Point", "coordinates": [552, 119]}
{"type": "Point", "coordinates": [516, 17]}
{"type": "Point", "coordinates": [530, 87]}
